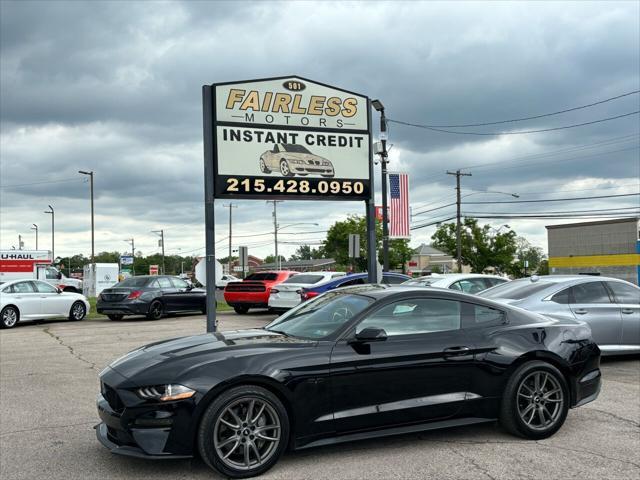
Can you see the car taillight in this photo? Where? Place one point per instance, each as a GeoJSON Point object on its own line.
{"type": "Point", "coordinates": [306, 295]}
{"type": "Point", "coordinates": [275, 290]}
{"type": "Point", "coordinates": [135, 294]}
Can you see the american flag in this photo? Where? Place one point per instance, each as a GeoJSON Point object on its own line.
{"type": "Point", "coordinates": [399, 214]}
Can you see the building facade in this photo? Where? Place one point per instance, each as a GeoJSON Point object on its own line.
{"type": "Point", "coordinates": [610, 248]}
{"type": "Point", "coordinates": [426, 260]}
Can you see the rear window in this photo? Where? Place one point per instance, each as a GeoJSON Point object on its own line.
{"type": "Point", "coordinates": [303, 278]}
{"type": "Point", "coordinates": [515, 290]}
{"type": "Point", "coordinates": [135, 282]}
{"type": "Point", "coordinates": [262, 276]}
{"type": "Point", "coordinates": [391, 280]}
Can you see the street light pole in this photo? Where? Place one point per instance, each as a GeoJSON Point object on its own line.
{"type": "Point", "coordinates": [52, 212]}
{"type": "Point", "coordinates": [92, 218]}
{"type": "Point", "coordinates": [458, 174]}
{"type": "Point", "coordinates": [377, 104]}
{"type": "Point", "coordinates": [231, 207]}
{"type": "Point", "coordinates": [133, 254]}
{"type": "Point", "coordinates": [275, 230]}
{"type": "Point", "coordinates": [161, 234]}
{"type": "Point", "coordinates": [35, 227]}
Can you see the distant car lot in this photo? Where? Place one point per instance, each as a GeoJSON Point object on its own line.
{"type": "Point", "coordinates": [48, 379]}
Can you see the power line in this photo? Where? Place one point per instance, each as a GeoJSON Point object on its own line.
{"type": "Point", "coordinates": [554, 199]}
{"type": "Point", "coordinates": [536, 116]}
{"type": "Point", "coordinates": [45, 182]}
{"type": "Point", "coordinates": [597, 210]}
{"type": "Point", "coordinates": [564, 127]}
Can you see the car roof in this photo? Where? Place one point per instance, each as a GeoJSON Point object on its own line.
{"type": "Point", "coordinates": [455, 276]}
{"type": "Point", "coordinates": [565, 278]}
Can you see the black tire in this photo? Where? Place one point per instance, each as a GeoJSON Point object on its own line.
{"type": "Point", "coordinates": [115, 317]}
{"type": "Point", "coordinates": [77, 312]}
{"type": "Point", "coordinates": [9, 317]}
{"type": "Point", "coordinates": [285, 169]}
{"type": "Point", "coordinates": [207, 431]}
{"type": "Point", "coordinates": [156, 310]}
{"type": "Point", "coordinates": [263, 166]}
{"type": "Point", "coordinates": [241, 309]}
{"type": "Point", "coordinates": [515, 404]}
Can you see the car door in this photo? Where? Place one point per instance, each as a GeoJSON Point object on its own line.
{"type": "Point", "coordinates": [628, 298]}
{"type": "Point", "coordinates": [27, 299]}
{"type": "Point", "coordinates": [170, 297]}
{"type": "Point", "coordinates": [591, 303]}
{"type": "Point", "coordinates": [419, 373]}
{"type": "Point", "coordinates": [52, 303]}
{"type": "Point", "coordinates": [187, 299]}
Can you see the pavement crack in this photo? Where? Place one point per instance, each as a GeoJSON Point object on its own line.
{"type": "Point", "coordinates": [73, 353]}
{"type": "Point", "coordinates": [588, 452]}
{"type": "Point", "coordinates": [477, 466]}
{"type": "Point", "coordinates": [617, 417]}
{"type": "Point", "coordinates": [4, 434]}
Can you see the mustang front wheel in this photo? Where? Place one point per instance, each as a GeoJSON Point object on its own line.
{"type": "Point", "coordinates": [243, 432]}
{"type": "Point", "coordinates": [535, 401]}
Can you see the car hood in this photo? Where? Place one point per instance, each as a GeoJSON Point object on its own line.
{"type": "Point", "coordinates": [176, 356]}
{"type": "Point", "coordinates": [303, 156]}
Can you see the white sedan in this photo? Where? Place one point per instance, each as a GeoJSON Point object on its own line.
{"type": "Point", "coordinates": [22, 300]}
{"type": "Point", "coordinates": [464, 282]}
{"type": "Point", "coordinates": [286, 295]}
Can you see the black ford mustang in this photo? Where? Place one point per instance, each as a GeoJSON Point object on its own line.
{"type": "Point", "coordinates": [351, 364]}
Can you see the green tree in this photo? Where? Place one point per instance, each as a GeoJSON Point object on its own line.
{"type": "Point", "coordinates": [543, 268]}
{"type": "Point", "coordinates": [525, 252]}
{"type": "Point", "coordinates": [272, 259]}
{"type": "Point", "coordinates": [305, 252]}
{"type": "Point", "coordinates": [481, 248]}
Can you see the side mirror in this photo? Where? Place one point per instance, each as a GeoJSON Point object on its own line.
{"type": "Point", "coordinates": [371, 334]}
{"type": "Point", "coordinates": [189, 288]}
{"type": "Point", "coordinates": [59, 276]}
{"type": "Point", "coordinates": [59, 290]}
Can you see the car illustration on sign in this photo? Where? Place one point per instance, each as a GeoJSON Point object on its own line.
{"type": "Point", "coordinates": [292, 160]}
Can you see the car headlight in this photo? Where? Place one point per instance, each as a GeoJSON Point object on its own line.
{"type": "Point", "coordinates": [165, 393]}
{"type": "Point", "coordinates": [326, 163]}
{"type": "Point", "coordinates": [296, 161]}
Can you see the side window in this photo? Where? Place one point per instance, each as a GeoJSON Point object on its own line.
{"type": "Point", "coordinates": [154, 284]}
{"type": "Point", "coordinates": [590, 292]}
{"type": "Point", "coordinates": [563, 297]}
{"type": "Point", "coordinates": [492, 282]}
{"type": "Point", "coordinates": [23, 287]}
{"type": "Point", "coordinates": [357, 281]}
{"type": "Point", "coordinates": [44, 287]}
{"type": "Point", "coordinates": [390, 280]}
{"type": "Point", "coordinates": [415, 316]}
{"type": "Point", "coordinates": [51, 273]}
{"type": "Point", "coordinates": [481, 316]}
{"type": "Point", "coordinates": [472, 285]}
{"type": "Point", "coordinates": [164, 282]}
{"type": "Point", "coordinates": [337, 275]}
{"type": "Point", "coordinates": [625, 293]}
{"type": "Point", "coordinates": [456, 286]}
{"type": "Point", "coordinates": [8, 289]}
{"type": "Point", "coordinates": [178, 283]}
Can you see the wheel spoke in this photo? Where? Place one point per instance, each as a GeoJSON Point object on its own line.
{"type": "Point", "coordinates": [533, 414]}
{"type": "Point", "coordinates": [235, 417]}
{"type": "Point", "coordinates": [536, 382]}
{"type": "Point", "coordinates": [555, 400]}
{"type": "Point", "coordinates": [264, 437]}
{"type": "Point", "coordinates": [552, 392]}
{"type": "Point", "coordinates": [247, 460]}
{"type": "Point", "coordinates": [543, 422]}
{"type": "Point", "coordinates": [229, 424]}
{"type": "Point", "coordinates": [525, 396]}
{"type": "Point", "coordinates": [247, 418]}
{"type": "Point", "coordinates": [526, 411]}
{"type": "Point", "coordinates": [524, 385]}
{"type": "Point", "coordinates": [228, 441]}
{"type": "Point", "coordinates": [233, 449]}
{"type": "Point", "coordinates": [255, 419]}
{"type": "Point", "coordinates": [267, 427]}
{"type": "Point", "coordinates": [544, 382]}
{"type": "Point", "coordinates": [546, 410]}
{"type": "Point", "coordinates": [255, 450]}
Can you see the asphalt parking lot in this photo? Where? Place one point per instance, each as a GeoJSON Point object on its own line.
{"type": "Point", "coordinates": [48, 385]}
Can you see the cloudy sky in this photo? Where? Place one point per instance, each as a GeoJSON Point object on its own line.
{"type": "Point", "coordinates": [115, 87]}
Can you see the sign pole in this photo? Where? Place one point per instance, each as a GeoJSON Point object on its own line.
{"type": "Point", "coordinates": [372, 264]}
{"type": "Point", "coordinates": [209, 213]}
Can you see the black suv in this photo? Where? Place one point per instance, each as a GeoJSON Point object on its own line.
{"type": "Point", "coordinates": [151, 295]}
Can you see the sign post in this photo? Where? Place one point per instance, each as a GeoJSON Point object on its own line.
{"type": "Point", "coordinates": [286, 138]}
{"type": "Point", "coordinates": [243, 253]}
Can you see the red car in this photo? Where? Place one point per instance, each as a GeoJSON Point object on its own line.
{"type": "Point", "coordinates": [253, 291]}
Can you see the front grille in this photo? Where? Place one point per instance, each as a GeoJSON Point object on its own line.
{"type": "Point", "coordinates": [113, 297]}
{"type": "Point", "coordinates": [112, 398]}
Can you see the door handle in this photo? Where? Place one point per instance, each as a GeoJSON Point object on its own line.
{"type": "Point", "coordinates": [580, 311]}
{"type": "Point", "coordinates": [627, 310]}
{"type": "Point", "coordinates": [452, 351]}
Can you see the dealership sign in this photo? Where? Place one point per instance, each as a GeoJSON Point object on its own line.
{"type": "Point", "coordinates": [291, 138]}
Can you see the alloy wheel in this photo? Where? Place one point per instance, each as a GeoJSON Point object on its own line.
{"type": "Point", "coordinates": [284, 168]}
{"type": "Point", "coordinates": [247, 433]}
{"type": "Point", "coordinates": [78, 311]}
{"type": "Point", "coordinates": [9, 317]}
{"type": "Point", "coordinates": [540, 400]}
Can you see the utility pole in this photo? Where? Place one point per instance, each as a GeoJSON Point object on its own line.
{"type": "Point", "coordinates": [458, 174]}
{"type": "Point", "coordinates": [35, 227]}
{"type": "Point", "coordinates": [231, 207]}
{"type": "Point", "coordinates": [92, 219]}
{"type": "Point", "coordinates": [160, 233]}
{"type": "Point", "coordinates": [52, 212]}
{"type": "Point", "coordinates": [275, 229]}
{"type": "Point", "coordinates": [133, 254]}
{"type": "Point", "coordinates": [20, 242]}
{"type": "Point", "coordinates": [377, 104]}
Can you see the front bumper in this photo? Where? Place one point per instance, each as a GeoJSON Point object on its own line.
{"type": "Point", "coordinates": [322, 170]}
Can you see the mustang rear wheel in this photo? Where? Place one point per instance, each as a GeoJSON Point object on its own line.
{"type": "Point", "coordinates": [243, 432]}
{"type": "Point", "coordinates": [78, 311]}
{"type": "Point", "coordinates": [535, 402]}
{"type": "Point", "coordinates": [9, 317]}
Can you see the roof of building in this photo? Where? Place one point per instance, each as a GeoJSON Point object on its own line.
{"type": "Point", "coordinates": [597, 222]}
{"type": "Point", "coordinates": [315, 262]}
{"type": "Point", "coordinates": [425, 249]}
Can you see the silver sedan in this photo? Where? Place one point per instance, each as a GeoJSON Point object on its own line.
{"type": "Point", "coordinates": [610, 306]}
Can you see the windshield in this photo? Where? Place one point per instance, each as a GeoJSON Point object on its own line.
{"type": "Point", "coordinates": [262, 276]}
{"type": "Point", "coordinates": [321, 316]}
{"type": "Point", "coordinates": [133, 282]}
{"type": "Point", "coordinates": [296, 149]}
{"type": "Point", "coordinates": [304, 278]}
{"type": "Point", "coordinates": [516, 290]}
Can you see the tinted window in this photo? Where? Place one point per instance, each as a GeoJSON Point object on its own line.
{"type": "Point", "coordinates": [304, 278]}
{"type": "Point", "coordinates": [492, 282]}
{"type": "Point", "coordinates": [178, 283]}
{"type": "Point", "coordinates": [516, 290]}
{"type": "Point", "coordinates": [43, 287]}
{"type": "Point", "coordinates": [472, 285]}
{"type": "Point", "coordinates": [295, 148]}
{"type": "Point", "coordinates": [135, 282]}
{"type": "Point", "coordinates": [415, 316]}
{"type": "Point", "coordinates": [23, 287]}
{"type": "Point", "coordinates": [481, 316]}
{"type": "Point", "coordinates": [164, 282]}
{"type": "Point", "coordinates": [625, 293]}
{"type": "Point", "coordinates": [562, 297]}
{"type": "Point", "coordinates": [356, 281]}
{"type": "Point", "coordinates": [262, 276]}
{"type": "Point", "coordinates": [592, 292]}
{"type": "Point", "coordinates": [390, 280]}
